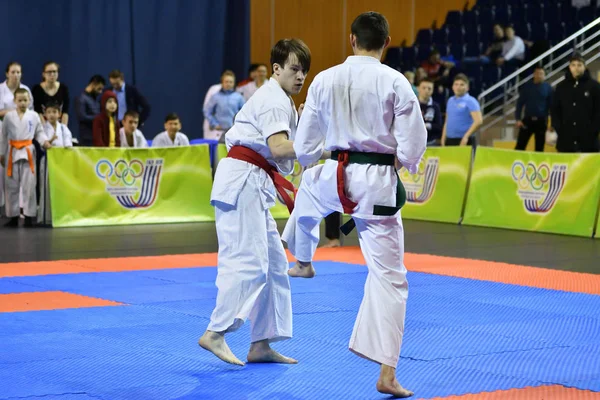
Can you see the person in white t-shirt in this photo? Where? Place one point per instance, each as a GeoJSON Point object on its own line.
{"type": "Point", "coordinates": [171, 136]}
{"type": "Point", "coordinates": [131, 136]}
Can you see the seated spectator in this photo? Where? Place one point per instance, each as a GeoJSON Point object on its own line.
{"type": "Point", "coordinates": [106, 124]}
{"type": "Point", "coordinates": [410, 77]}
{"type": "Point", "coordinates": [87, 107]}
{"type": "Point", "coordinates": [50, 90]}
{"type": "Point", "coordinates": [171, 136]}
{"type": "Point", "coordinates": [435, 67]}
{"type": "Point", "coordinates": [130, 135]}
{"type": "Point", "coordinates": [224, 105]}
{"type": "Point", "coordinates": [513, 48]}
{"type": "Point", "coordinates": [431, 112]}
{"type": "Point", "coordinates": [248, 89]}
{"type": "Point", "coordinates": [463, 115]}
{"type": "Point", "coordinates": [493, 51]}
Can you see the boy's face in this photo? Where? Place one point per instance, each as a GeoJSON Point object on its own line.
{"type": "Point", "coordinates": [111, 105]}
{"type": "Point", "coordinates": [291, 76]}
{"type": "Point", "coordinates": [173, 126]}
{"type": "Point", "coordinates": [460, 88]}
{"type": "Point", "coordinates": [22, 101]}
{"type": "Point", "coordinates": [51, 114]}
{"type": "Point", "coordinates": [228, 82]}
{"type": "Point", "coordinates": [131, 124]}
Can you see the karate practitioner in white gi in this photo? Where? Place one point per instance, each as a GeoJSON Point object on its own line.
{"type": "Point", "coordinates": [252, 265]}
{"type": "Point", "coordinates": [368, 116]}
{"type": "Point", "coordinates": [131, 136]}
{"type": "Point", "coordinates": [19, 128]}
{"type": "Point", "coordinates": [171, 137]}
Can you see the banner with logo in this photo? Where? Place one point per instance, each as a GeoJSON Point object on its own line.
{"type": "Point", "coordinates": [101, 186]}
{"type": "Point", "coordinates": [437, 191]}
{"type": "Point", "coordinates": [556, 193]}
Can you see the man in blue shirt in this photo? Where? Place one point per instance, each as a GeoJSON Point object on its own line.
{"type": "Point", "coordinates": [221, 109]}
{"type": "Point", "coordinates": [536, 99]}
{"type": "Point", "coordinates": [463, 115]}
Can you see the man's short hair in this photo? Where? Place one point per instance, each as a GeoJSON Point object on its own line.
{"type": "Point", "coordinates": [171, 117]}
{"type": "Point", "coordinates": [426, 80]}
{"type": "Point", "coordinates": [116, 74]}
{"type": "Point", "coordinates": [228, 72]}
{"type": "Point", "coordinates": [283, 48]}
{"type": "Point", "coordinates": [539, 66]}
{"type": "Point", "coordinates": [371, 30]}
{"type": "Point", "coordinates": [577, 57]}
{"type": "Point", "coordinates": [252, 68]}
{"type": "Point", "coordinates": [54, 105]}
{"type": "Point", "coordinates": [461, 77]}
{"type": "Point", "coordinates": [132, 114]}
{"type": "Point", "coordinates": [96, 79]}
{"type": "Point", "coordinates": [21, 91]}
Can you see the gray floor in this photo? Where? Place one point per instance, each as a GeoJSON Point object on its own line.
{"type": "Point", "coordinates": [525, 248]}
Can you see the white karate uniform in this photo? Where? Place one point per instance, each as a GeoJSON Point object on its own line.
{"type": "Point", "coordinates": [22, 179]}
{"type": "Point", "coordinates": [252, 265]}
{"type": "Point", "coordinates": [247, 90]}
{"type": "Point", "coordinates": [64, 138]}
{"type": "Point", "coordinates": [139, 141]}
{"type": "Point", "coordinates": [163, 140]}
{"type": "Point", "coordinates": [2, 151]}
{"type": "Point", "coordinates": [7, 98]}
{"type": "Point", "coordinates": [362, 106]}
{"type": "Point", "coordinates": [211, 133]}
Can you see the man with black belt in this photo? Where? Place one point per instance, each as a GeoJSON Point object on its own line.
{"type": "Point", "coordinates": [576, 110]}
{"type": "Point", "coordinates": [369, 117]}
{"type": "Point", "coordinates": [535, 99]}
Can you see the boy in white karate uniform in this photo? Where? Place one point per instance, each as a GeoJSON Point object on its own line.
{"type": "Point", "coordinates": [19, 128]}
{"type": "Point", "coordinates": [368, 116]}
{"type": "Point", "coordinates": [252, 265]}
{"type": "Point", "coordinates": [58, 135]}
{"type": "Point", "coordinates": [171, 136]}
{"type": "Point", "coordinates": [131, 136]}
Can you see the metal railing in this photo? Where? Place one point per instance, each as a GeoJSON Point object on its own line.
{"type": "Point", "coordinates": [497, 108]}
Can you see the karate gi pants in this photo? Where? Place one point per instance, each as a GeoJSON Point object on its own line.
{"type": "Point", "coordinates": [379, 326]}
{"type": "Point", "coordinates": [252, 278]}
{"type": "Point", "coordinates": [22, 182]}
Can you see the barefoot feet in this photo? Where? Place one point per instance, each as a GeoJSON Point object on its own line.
{"type": "Point", "coordinates": [215, 343]}
{"type": "Point", "coordinates": [302, 270]}
{"type": "Point", "coordinates": [388, 384]}
{"type": "Point", "coordinates": [261, 352]}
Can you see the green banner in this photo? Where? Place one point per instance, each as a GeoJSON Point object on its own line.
{"type": "Point", "coordinates": [556, 193]}
{"type": "Point", "coordinates": [437, 191]}
{"type": "Point", "coordinates": [101, 186]}
{"type": "Point", "coordinates": [597, 235]}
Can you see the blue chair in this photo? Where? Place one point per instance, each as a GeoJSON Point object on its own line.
{"type": "Point", "coordinates": [424, 37]}
{"type": "Point", "coordinates": [440, 37]}
{"type": "Point", "coordinates": [453, 18]}
{"type": "Point", "coordinates": [393, 57]}
{"type": "Point", "coordinates": [149, 142]}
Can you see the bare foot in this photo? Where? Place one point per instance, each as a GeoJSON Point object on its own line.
{"type": "Point", "coordinates": [215, 343]}
{"type": "Point", "coordinates": [261, 352]}
{"type": "Point", "coordinates": [388, 384]}
{"type": "Point", "coordinates": [302, 270]}
{"type": "Point", "coordinates": [332, 243]}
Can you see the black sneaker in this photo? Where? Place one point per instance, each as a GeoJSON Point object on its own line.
{"type": "Point", "coordinates": [12, 223]}
{"type": "Point", "coordinates": [28, 222]}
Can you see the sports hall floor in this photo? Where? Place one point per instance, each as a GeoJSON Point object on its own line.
{"type": "Point", "coordinates": [115, 313]}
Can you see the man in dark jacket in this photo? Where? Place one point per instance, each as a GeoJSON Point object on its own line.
{"type": "Point", "coordinates": [129, 98]}
{"type": "Point", "coordinates": [87, 107]}
{"type": "Point", "coordinates": [431, 112]}
{"type": "Point", "coordinates": [576, 110]}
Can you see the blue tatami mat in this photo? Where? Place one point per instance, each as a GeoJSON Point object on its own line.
{"type": "Point", "coordinates": [461, 336]}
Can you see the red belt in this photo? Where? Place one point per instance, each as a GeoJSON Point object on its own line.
{"type": "Point", "coordinates": [281, 184]}
{"type": "Point", "coordinates": [347, 204]}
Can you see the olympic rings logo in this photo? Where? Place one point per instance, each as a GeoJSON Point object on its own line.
{"type": "Point", "coordinates": [120, 172]}
{"type": "Point", "coordinates": [416, 178]}
{"type": "Point", "coordinates": [530, 176]}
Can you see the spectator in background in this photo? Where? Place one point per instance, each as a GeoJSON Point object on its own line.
{"type": "Point", "coordinates": [432, 115]}
{"type": "Point", "coordinates": [128, 97]}
{"type": "Point", "coordinates": [171, 136]}
{"type": "Point", "coordinates": [59, 135]}
{"type": "Point", "coordinates": [463, 115]}
{"type": "Point", "coordinates": [494, 50]}
{"type": "Point", "coordinates": [210, 133]}
{"type": "Point", "coordinates": [129, 133]}
{"type": "Point", "coordinates": [224, 105]}
{"type": "Point", "coordinates": [87, 107]}
{"type": "Point", "coordinates": [106, 124]}
{"type": "Point", "coordinates": [252, 71]}
{"type": "Point", "coordinates": [248, 89]}
{"type": "Point", "coordinates": [576, 110]}
{"type": "Point", "coordinates": [436, 68]}
{"type": "Point", "coordinates": [513, 48]}
{"type": "Point", "coordinates": [8, 88]}
{"type": "Point", "coordinates": [535, 100]}
{"type": "Point", "coordinates": [50, 90]}
{"type": "Point", "coordinates": [410, 77]}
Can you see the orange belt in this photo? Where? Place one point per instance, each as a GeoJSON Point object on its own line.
{"type": "Point", "coordinates": [20, 144]}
